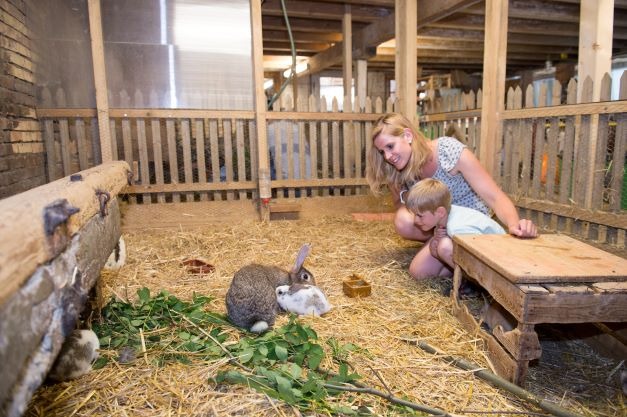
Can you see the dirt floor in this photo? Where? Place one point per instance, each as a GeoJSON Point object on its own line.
{"type": "Point", "coordinates": [569, 373]}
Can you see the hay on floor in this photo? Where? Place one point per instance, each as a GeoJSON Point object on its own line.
{"type": "Point", "coordinates": [398, 307]}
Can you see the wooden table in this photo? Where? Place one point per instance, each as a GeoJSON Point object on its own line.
{"type": "Point", "coordinates": [550, 279]}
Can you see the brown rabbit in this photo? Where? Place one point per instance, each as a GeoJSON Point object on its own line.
{"type": "Point", "coordinates": [251, 300]}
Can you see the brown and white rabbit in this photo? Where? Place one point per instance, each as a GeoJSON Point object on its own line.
{"type": "Point", "coordinates": [251, 300]}
{"type": "Point", "coordinates": [78, 353]}
{"type": "Point", "coordinates": [302, 299]}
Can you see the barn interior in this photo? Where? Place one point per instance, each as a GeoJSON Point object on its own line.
{"type": "Point", "coordinates": [206, 135]}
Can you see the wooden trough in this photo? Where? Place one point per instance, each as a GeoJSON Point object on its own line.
{"type": "Point", "coordinates": [55, 241]}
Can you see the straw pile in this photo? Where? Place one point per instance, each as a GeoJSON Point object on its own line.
{"type": "Point", "coordinates": [398, 307]}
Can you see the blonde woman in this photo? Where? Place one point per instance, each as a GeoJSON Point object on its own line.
{"type": "Point", "coordinates": [400, 156]}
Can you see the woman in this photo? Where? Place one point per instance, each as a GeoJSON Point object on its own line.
{"type": "Point", "coordinates": [399, 157]}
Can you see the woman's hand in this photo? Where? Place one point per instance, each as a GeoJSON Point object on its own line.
{"type": "Point", "coordinates": [525, 228]}
{"type": "Point", "coordinates": [438, 233]}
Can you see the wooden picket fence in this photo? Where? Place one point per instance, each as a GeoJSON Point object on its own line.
{"type": "Point", "coordinates": [562, 164]}
{"type": "Point", "coordinates": [182, 155]}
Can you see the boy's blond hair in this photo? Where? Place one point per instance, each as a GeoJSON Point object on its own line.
{"type": "Point", "coordinates": [428, 195]}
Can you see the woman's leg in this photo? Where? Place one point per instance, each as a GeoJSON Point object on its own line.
{"type": "Point", "coordinates": [404, 224]}
{"type": "Point", "coordinates": [424, 265]}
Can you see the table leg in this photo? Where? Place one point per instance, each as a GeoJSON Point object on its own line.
{"type": "Point", "coordinates": [457, 282]}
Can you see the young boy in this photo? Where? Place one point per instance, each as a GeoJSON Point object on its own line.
{"type": "Point", "coordinates": [430, 202]}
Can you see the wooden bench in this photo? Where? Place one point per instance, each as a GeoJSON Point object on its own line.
{"type": "Point", "coordinates": [550, 279]}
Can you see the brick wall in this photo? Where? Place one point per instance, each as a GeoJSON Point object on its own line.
{"type": "Point", "coordinates": [22, 159]}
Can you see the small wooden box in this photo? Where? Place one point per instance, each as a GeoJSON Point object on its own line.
{"type": "Point", "coordinates": [356, 286]}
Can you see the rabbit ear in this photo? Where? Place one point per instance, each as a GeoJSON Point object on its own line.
{"type": "Point", "coordinates": [300, 259]}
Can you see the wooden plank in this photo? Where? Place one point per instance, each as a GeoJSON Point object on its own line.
{"type": "Point", "coordinates": [313, 146]}
{"type": "Point", "coordinates": [335, 140]}
{"type": "Point", "coordinates": [347, 153]}
{"type": "Point", "coordinates": [199, 135]}
{"type": "Point", "coordinates": [227, 129]}
{"type": "Point", "coordinates": [155, 125]}
{"type": "Point", "coordinates": [64, 134]}
{"type": "Point", "coordinates": [252, 143]}
{"type": "Point", "coordinates": [128, 150]}
{"type": "Point", "coordinates": [23, 219]}
{"type": "Point", "coordinates": [568, 151]}
{"type": "Point", "coordinates": [347, 52]}
{"type": "Point", "coordinates": [568, 110]}
{"type": "Point", "coordinates": [187, 156]}
{"type": "Point", "coordinates": [440, 117]}
{"type": "Point", "coordinates": [600, 168]}
{"type": "Point", "coordinates": [56, 113]}
{"type": "Point", "coordinates": [241, 154]}
{"type": "Point", "coordinates": [289, 140]}
{"type": "Point", "coordinates": [322, 116]}
{"type": "Point", "coordinates": [144, 162]}
{"type": "Point", "coordinates": [114, 139]}
{"type": "Point", "coordinates": [494, 65]}
{"type": "Point", "coordinates": [81, 144]}
{"type": "Point", "coordinates": [538, 147]}
{"type": "Point", "coordinates": [180, 113]}
{"type": "Point", "coordinates": [302, 149]}
{"type": "Point", "coordinates": [551, 156]}
{"type": "Point", "coordinates": [100, 78]}
{"type": "Point", "coordinates": [578, 308]}
{"type": "Point", "coordinates": [358, 152]}
{"type": "Point", "coordinates": [406, 25]}
{"type": "Point", "coordinates": [192, 187]}
{"type": "Point", "coordinates": [170, 130]}
{"type": "Point", "coordinates": [620, 147]}
{"type": "Point", "coordinates": [215, 156]}
{"type": "Point", "coordinates": [324, 145]}
{"type": "Point", "coordinates": [546, 259]}
{"type": "Point", "coordinates": [51, 161]}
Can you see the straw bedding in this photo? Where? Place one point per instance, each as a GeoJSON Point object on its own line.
{"type": "Point", "coordinates": [398, 307]}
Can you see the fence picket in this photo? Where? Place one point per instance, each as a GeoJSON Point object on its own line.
{"type": "Point", "coordinates": [214, 149]}
{"type": "Point", "coordinates": [170, 129]}
{"type": "Point", "coordinates": [201, 167]}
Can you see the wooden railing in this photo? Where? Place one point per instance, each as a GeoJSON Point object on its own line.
{"type": "Point", "coordinates": [180, 155]}
{"type": "Point", "coordinates": [561, 161]}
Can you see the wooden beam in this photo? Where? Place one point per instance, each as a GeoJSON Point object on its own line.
{"type": "Point", "coordinates": [493, 100]}
{"type": "Point", "coordinates": [368, 38]}
{"type": "Point", "coordinates": [595, 60]}
{"type": "Point", "coordinates": [347, 55]}
{"type": "Point", "coordinates": [407, 14]}
{"type": "Point", "coordinates": [325, 11]}
{"type": "Point", "coordinates": [263, 161]}
{"type": "Point", "coordinates": [34, 220]}
{"type": "Point", "coordinates": [100, 79]}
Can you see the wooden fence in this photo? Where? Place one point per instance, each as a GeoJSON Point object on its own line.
{"type": "Point", "coordinates": [562, 164]}
{"type": "Point", "coordinates": [181, 155]}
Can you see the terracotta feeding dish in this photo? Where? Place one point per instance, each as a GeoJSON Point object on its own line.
{"type": "Point", "coordinates": [356, 286]}
{"type": "Point", "coordinates": [198, 266]}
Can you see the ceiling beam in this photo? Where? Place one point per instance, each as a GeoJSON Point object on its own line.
{"type": "Point", "coordinates": [368, 38]}
{"type": "Point", "coordinates": [281, 35]}
{"type": "Point", "coordinates": [324, 11]}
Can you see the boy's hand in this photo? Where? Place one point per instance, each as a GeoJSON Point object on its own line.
{"type": "Point", "coordinates": [438, 233]}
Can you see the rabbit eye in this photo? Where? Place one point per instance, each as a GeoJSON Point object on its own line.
{"type": "Point", "coordinates": [305, 277]}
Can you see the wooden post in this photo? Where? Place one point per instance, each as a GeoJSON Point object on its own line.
{"type": "Point", "coordinates": [493, 100]}
{"type": "Point", "coordinates": [595, 60]}
{"type": "Point", "coordinates": [347, 38]}
{"type": "Point", "coordinates": [362, 83]}
{"type": "Point", "coordinates": [260, 110]}
{"type": "Point", "coordinates": [100, 79]}
{"type": "Point", "coordinates": [406, 57]}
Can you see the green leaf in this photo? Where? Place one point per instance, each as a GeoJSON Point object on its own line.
{"type": "Point", "coordinates": [100, 363]}
{"type": "Point", "coordinates": [137, 323]}
{"type": "Point", "coordinates": [246, 355]}
{"type": "Point", "coordinates": [144, 295]}
{"type": "Point", "coordinates": [284, 386]}
{"type": "Point", "coordinates": [281, 352]}
{"type": "Point", "coordinates": [315, 356]}
{"type": "Point", "coordinates": [263, 350]}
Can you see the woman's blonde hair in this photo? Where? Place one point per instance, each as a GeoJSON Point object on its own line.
{"type": "Point", "coordinates": [380, 172]}
{"type": "Point", "coordinates": [428, 195]}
